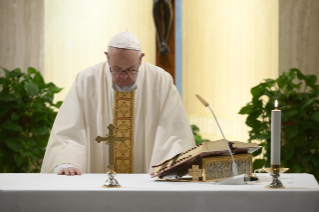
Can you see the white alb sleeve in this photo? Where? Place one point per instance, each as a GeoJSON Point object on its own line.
{"type": "Point", "coordinates": [61, 166]}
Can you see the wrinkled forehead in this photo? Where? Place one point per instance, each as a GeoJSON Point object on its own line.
{"type": "Point", "coordinates": [123, 58]}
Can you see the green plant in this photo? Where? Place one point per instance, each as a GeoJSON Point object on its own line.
{"type": "Point", "coordinates": [198, 138]}
{"type": "Point", "coordinates": [297, 95]}
{"type": "Point", "coordinates": [26, 118]}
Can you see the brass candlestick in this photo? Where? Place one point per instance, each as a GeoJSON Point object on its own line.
{"type": "Point", "coordinates": [274, 171]}
{"type": "Point", "coordinates": [110, 139]}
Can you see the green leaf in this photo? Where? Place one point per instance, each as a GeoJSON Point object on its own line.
{"type": "Point", "coordinates": [297, 85]}
{"type": "Point", "coordinates": [9, 125]}
{"type": "Point", "coordinates": [259, 163]}
{"type": "Point", "coordinates": [258, 152]}
{"type": "Point", "coordinates": [308, 102]}
{"type": "Point", "coordinates": [42, 130]}
{"type": "Point", "coordinates": [247, 109]}
{"type": "Point", "coordinates": [292, 131]}
{"type": "Point", "coordinates": [4, 109]}
{"type": "Point", "coordinates": [31, 88]}
{"type": "Point", "coordinates": [287, 151]}
{"type": "Point", "coordinates": [16, 73]}
{"type": "Point", "coordinates": [6, 71]}
{"type": "Point", "coordinates": [269, 83]}
{"type": "Point", "coordinates": [14, 116]}
{"type": "Point", "coordinates": [258, 90]}
{"type": "Point", "coordinates": [42, 141]}
{"type": "Point", "coordinates": [38, 116]}
{"type": "Point", "coordinates": [58, 104]}
{"type": "Point", "coordinates": [251, 120]}
{"type": "Point", "coordinates": [55, 89]}
{"type": "Point", "coordinates": [315, 161]}
{"type": "Point", "coordinates": [307, 166]}
{"type": "Point", "coordinates": [262, 136]}
{"type": "Point", "coordinates": [291, 74]}
{"type": "Point", "coordinates": [297, 168]}
{"type": "Point", "coordinates": [290, 113]}
{"type": "Point", "coordinates": [38, 80]}
{"type": "Point", "coordinates": [48, 98]}
{"type": "Point", "coordinates": [305, 158]}
{"type": "Point", "coordinates": [14, 143]}
{"type": "Point", "coordinates": [281, 82]}
{"type": "Point", "coordinates": [315, 116]}
{"type": "Point", "coordinates": [300, 75]}
{"type": "Point", "coordinates": [8, 97]}
{"type": "Point", "coordinates": [311, 79]}
{"type": "Point", "coordinates": [32, 70]}
{"type": "Point", "coordinates": [198, 139]}
{"type": "Point", "coordinates": [195, 129]}
{"type": "Point", "coordinates": [18, 160]}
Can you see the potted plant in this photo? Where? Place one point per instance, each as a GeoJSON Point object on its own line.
{"type": "Point", "coordinates": [297, 95]}
{"type": "Point", "coordinates": [197, 136]}
{"type": "Point", "coordinates": [27, 113]}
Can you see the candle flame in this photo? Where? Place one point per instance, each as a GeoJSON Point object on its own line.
{"type": "Point", "coordinates": [276, 104]}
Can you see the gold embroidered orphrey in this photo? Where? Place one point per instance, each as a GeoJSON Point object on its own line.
{"type": "Point", "coordinates": [124, 113]}
{"type": "Point", "coordinates": [110, 139]}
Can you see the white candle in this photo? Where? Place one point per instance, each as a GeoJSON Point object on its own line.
{"type": "Point", "coordinates": [275, 135]}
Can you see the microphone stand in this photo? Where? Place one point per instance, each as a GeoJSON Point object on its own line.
{"type": "Point", "coordinates": [231, 154]}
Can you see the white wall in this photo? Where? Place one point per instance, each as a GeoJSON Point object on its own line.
{"type": "Point", "coordinates": [77, 33]}
{"type": "Point", "coordinates": [229, 46]}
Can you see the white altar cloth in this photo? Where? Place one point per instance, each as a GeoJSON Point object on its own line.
{"type": "Point", "coordinates": [139, 192]}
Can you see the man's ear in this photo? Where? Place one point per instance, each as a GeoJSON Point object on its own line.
{"type": "Point", "coordinates": [107, 57]}
{"type": "Point", "coordinates": [142, 55]}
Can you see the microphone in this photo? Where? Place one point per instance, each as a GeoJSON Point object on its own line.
{"type": "Point", "coordinates": [231, 154]}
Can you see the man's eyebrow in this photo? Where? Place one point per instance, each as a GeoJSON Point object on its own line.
{"type": "Point", "coordinates": [122, 69]}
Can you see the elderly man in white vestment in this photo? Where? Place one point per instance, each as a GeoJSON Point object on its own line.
{"type": "Point", "coordinates": [138, 98]}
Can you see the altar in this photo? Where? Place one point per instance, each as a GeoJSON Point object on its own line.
{"type": "Point", "coordinates": [140, 192]}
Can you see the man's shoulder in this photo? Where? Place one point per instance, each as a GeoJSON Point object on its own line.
{"type": "Point", "coordinates": [96, 70]}
{"type": "Point", "coordinates": [151, 69]}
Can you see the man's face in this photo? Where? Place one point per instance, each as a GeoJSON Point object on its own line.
{"type": "Point", "coordinates": [123, 61]}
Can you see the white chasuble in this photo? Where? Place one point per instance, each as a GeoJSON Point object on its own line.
{"type": "Point", "coordinates": [159, 126]}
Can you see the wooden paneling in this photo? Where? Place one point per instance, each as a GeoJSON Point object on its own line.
{"type": "Point", "coordinates": [299, 35]}
{"type": "Point", "coordinates": [22, 32]}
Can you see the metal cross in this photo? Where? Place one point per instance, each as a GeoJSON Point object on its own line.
{"type": "Point", "coordinates": [195, 172]}
{"type": "Point", "coordinates": [110, 139]}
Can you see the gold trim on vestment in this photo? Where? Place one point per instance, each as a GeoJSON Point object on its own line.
{"type": "Point", "coordinates": [124, 112]}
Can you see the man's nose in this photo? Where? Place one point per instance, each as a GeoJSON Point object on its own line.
{"type": "Point", "coordinates": [123, 75]}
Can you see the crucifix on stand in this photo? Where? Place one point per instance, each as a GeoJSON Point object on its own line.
{"type": "Point", "coordinates": [110, 140]}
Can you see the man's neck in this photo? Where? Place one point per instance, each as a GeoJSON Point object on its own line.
{"type": "Point", "coordinates": [128, 88]}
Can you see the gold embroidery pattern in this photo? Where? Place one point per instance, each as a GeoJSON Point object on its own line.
{"type": "Point", "coordinates": [124, 125]}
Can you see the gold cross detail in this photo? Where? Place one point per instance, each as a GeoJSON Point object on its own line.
{"type": "Point", "coordinates": [195, 172]}
{"type": "Point", "coordinates": [110, 139]}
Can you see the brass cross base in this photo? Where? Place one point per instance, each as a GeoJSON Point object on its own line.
{"type": "Point", "coordinates": [111, 182]}
{"type": "Point", "coordinates": [104, 186]}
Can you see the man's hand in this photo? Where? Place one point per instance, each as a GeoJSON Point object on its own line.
{"type": "Point", "coordinates": [70, 171]}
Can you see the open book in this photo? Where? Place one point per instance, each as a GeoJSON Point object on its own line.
{"type": "Point", "coordinates": [170, 167]}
